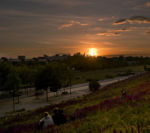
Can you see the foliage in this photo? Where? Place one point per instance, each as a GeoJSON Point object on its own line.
{"type": "Point", "coordinates": [49, 77]}
{"type": "Point", "coordinates": [12, 83]}
{"type": "Point", "coordinates": [78, 65]}
{"type": "Point", "coordinates": [27, 75]}
{"type": "Point", "coordinates": [9, 79]}
{"type": "Point", "coordinates": [94, 85]}
{"type": "Point", "coordinates": [5, 69]}
{"type": "Point", "coordinates": [43, 79]}
{"type": "Point", "coordinates": [55, 85]}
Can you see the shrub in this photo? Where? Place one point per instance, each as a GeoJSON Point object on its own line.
{"type": "Point", "coordinates": [109, 76]}
{"type": "Point", "coordinates": [94, 85]}
{"type": "Point", "coordinates": [129, 72]}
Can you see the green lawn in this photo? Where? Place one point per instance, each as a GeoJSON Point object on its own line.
{"type": "Point", "coordinates": [82, 77]}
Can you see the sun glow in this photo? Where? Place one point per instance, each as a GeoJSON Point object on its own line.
{"type": "Point", "coordinates": [92, 52]}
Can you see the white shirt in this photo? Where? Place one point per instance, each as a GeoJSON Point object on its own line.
{"type": "Point", "coordinates": [48, 121]}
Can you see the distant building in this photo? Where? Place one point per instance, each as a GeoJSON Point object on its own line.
{"type": "Point", "coordinates": [21, 58]}
{"type": "Point", "coordinates": [42, 59]}
{"type": "Point", "coordinates": [14, 60]}
{"type": "Point", "coordinates": [58, 57]}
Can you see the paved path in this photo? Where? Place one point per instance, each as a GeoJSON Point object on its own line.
{"type": "Point", "coordinates": [29, 103]}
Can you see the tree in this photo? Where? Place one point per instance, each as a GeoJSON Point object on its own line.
{"type": "Point", "coordinates": [49, 77]}
{"type": "Point", "coordinates": [94, 85]}
{"type": "Point", "coordinates": [5, 69]}
{"type": "Point", "coordinates": [12, 84]}
{"type": "Point", "coordinates": [27, 77]}
{"type": "Point", "coordinates": [55, 84]}
{"type": "Point", "coordinates": [43, 80]}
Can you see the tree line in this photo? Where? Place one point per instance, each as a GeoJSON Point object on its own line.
{"type": "Point", "coordinates": [83, 63]}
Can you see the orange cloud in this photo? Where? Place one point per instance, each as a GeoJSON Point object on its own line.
{"type": "Point", "coordinates": [108, 34]}
{"type": "Point", "coordinates": [72, 23]}
{"type": "Point", "coordinates": [65, 26]}
{"type": "Point", "coordinates": [101, 19]}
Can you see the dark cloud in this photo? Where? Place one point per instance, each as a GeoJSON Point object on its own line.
{"type": "Point", "coordinates": [63, 3]}
{"type": "Point", "coordinates": [115, 32]}
{"type": "Point", "coordinates": [139, 19]}
{"type": "Point", "coordinates": [121, 21]}
{"type": "Point", "coordinates": [132, 20]}
{"type": "Point", "coordinates": [74, 7]}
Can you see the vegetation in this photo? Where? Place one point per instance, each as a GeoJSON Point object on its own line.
{"type": "Point", "coordinates": [79, 65]}
{"type": "Point", "coordinates": [94, 85]}
{"type": "Point", "coordinates": [51, 76]}
{"type": "Point", "coordinates": [105, 111]}
{"type": "Point", "coordinates": [101, 111]}
{"type": "Point", "coordinates": [12, 84]}
{"type": "Point", "coordinates": [47, 79]}
{"type": "Point", "coordinates": [9, 81]}
{"type": "Point", "coordinates": [74, 69]}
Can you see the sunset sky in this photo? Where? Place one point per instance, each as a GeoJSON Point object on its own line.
{"type": "Point", "coordinates": [37, 27]}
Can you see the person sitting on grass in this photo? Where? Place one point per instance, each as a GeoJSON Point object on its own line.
{"type": "Point", "coordinates": [58, 116]}
{"type": "Point", "coordinates": [45, 121]}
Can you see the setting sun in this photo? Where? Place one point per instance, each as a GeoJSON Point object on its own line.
{"type": "Point", "coordinates": [92, 52]}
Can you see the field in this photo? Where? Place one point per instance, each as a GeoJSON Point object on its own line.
{"type": "Point", "coordinates": [82, 77]}
{"type": "Point", "coordinates": [104, 111]}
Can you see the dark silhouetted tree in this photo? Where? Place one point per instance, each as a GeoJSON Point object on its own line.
{"type": "Point", "coordinates": [43, 80]}
{"type": "Point", "coordinates": [12, 84]}
{"type": "Point", "coordinates": [5, 69]}
{"type": "Point", "coordinates": [55, 84]}
{"type": "Point", "coordinates": [94, 85]}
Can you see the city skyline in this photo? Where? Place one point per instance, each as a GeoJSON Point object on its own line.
{"type": "Point", "coordinates": [36, 27]}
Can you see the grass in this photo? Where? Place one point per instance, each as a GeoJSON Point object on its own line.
{"type": "Point", "coordinates": [82, 77]}
{"type": "Point", "coordinates": [125, 117]}
{"type": "Point", "coordinates": [96, 112]}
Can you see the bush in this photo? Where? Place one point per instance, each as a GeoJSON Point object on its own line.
{"type": "Point", "coordinates": [109, 76]}
{"type": "Point", "coordinates": [129, 72]}
{"type": "Point", "coordinates": [94, 85]}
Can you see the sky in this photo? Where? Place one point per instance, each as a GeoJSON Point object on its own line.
{"type": "Point", "coordinates": [37, 27]}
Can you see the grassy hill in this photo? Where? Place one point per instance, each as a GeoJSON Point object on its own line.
{"type": "Point", "coordinates": [104, 111]}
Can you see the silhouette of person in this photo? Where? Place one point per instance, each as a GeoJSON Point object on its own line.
{"type": "Point", "coordinates": [59, 117]}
